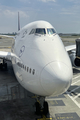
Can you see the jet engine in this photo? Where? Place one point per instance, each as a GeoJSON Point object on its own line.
{"type": "Point", "coordinates": [75, 55]}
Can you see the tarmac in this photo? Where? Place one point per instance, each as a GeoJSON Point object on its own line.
{"type": "Point", "coordinates": [16, 103]}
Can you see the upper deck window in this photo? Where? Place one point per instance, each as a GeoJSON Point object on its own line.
{"type": "Point", "coordinates": [51, 31]}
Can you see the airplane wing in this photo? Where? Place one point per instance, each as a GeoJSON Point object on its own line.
{"type": "Point", "coordinates": [5, 55]}
{"type": "Point", "coordinates": [71, 47]}
{"type": "Point", "coordinates": [7, 36]}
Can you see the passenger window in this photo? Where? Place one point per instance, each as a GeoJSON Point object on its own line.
{"type": "Point", "coordinates": [33, 72]}
{"type": "Point", "coordinates": [30, 70]}
{"type": "Point", "coordinates": [27, 69]}
{"type": "Point", "coordinates": [23, 66]}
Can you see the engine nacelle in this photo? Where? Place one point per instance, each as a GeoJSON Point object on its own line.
{"type": "Point", "coordinates": [75, 55]}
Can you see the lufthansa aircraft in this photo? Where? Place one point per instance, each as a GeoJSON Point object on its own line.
{"type": "Point", "coordinates": [40, 61]}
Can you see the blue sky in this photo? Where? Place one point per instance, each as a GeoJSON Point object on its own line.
{"type": "Point", "coordinates": [64, 15]}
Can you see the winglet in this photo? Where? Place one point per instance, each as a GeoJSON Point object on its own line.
{"type": "Point", "coordinates": [18, 22]}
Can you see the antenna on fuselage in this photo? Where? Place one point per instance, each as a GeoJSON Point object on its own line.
{"type": "Point", "coordinates": [18, 22]}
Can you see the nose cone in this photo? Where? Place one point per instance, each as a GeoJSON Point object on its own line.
{"type": "Point", "coordinates": [56, 78]}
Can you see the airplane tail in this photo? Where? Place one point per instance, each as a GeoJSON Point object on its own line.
{"type": "Point", "coordinates": [18, 22]}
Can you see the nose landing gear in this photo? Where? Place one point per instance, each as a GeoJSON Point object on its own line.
{"type": "Point", "coordinates": [40, 110]}
{"type": "Point", "coordinates": [44, 112]}
{"type": "Point", "coordinates": [43, 109]}
{"type": "Point", "coordinates": [41, 105]}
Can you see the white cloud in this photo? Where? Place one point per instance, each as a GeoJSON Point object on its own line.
{"type": "Point", "coordinates": [71, 10]}
{"type": "Point", "coordinates": [71, 0]}
{"type": "Point", "coordinates": [67, 12]}
{"type": "Point", "coordinates": [47, 0]}
{"type": "Point", "coordinates": [38, 0]}
{"type": "Point", "coordinates": [8, 19]}
{"type": "Point", "coordinates": [74, 1]}
{"type": "Point", "coordinates": [10, 13]}
{"type": "Point", "coordinates": [23, 14]}
{"type": "Point", "coordinates": [23, 0]}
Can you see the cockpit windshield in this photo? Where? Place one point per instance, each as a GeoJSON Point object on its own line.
{"type": "Point", "coordinates": [40, 31]}
{"type": "Point", "coordinates": [50, 31]}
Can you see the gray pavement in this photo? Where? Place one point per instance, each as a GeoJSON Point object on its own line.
{"type": "Point", "coordinates": [69, 108]}
{"type": "Point", "coordinates": [16, 103]}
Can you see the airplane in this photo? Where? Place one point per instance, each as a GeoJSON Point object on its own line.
{"type": "Point", "coordinates": [40, 61]}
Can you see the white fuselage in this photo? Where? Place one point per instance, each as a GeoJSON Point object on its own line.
{"type": "Point", "coordinates": [41, 63]}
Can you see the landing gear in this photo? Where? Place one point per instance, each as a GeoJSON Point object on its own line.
{"type": "Point", "coordinates": [3, 66]}
{"type": "Point", "coordinates": [38, 108]}
{"type": "Point", "coordinates": [41, 109]}
{"type": "Point", "coordinates": [45, 108]}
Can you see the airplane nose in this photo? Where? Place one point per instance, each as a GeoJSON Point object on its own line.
{"type": "Point", "coordinates": [56, 78]}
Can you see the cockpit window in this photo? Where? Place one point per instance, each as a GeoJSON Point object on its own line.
{"type": "Point", "coordinates": [40, 31]}
{"type": "Point", "coordinates": [32, 31]}
{"type": "Point", "coordinates": [50, 31]}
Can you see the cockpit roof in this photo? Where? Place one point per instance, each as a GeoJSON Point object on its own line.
{"type": "Point", "coordinates": [38, 24]}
